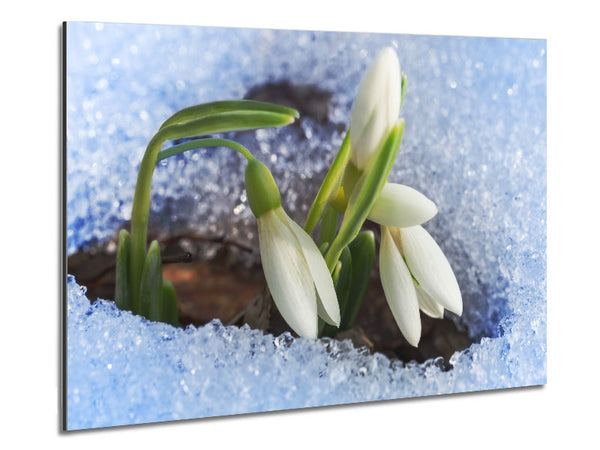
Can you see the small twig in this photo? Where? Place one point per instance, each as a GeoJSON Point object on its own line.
{"type": "Point", "coordinates": [223, 240]}
{"type": "Point", "coordinates": [171, 259]}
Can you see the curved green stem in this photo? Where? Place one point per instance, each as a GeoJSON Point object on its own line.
{"type": "Point", "coordinates": [141, 201]}
{"type": "Point", "coordinates": [329, 187]}
{"type": "Point", "coordinates": [222, 122]}
{"type": "Point", "coordinates": [139, 216]}
{"type": "Point", "coordinates": [204, 143]}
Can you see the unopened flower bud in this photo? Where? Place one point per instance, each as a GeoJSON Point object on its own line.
{"type": "Point", "coordinates": [376, 107]}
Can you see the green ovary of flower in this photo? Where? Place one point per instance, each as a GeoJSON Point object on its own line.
{"type": "Point", "coordinates": [263, 193]}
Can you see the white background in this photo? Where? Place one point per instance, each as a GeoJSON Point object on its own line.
{"type": "Point", "coordinates": [563, 412]}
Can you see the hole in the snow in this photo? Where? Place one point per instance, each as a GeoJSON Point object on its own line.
{"type": "Point", "coordinates": [212, 281]}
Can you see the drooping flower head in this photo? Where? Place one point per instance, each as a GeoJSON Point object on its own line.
{"type": "Point", "coordinates": [295, 270]}
{"type": "Point", "coordinates": [416, 275]}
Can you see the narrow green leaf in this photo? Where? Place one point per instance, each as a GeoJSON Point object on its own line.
{"type": "Point", "coordinates": [343, 284]}
{"type": "Point", "coordinates": [328, 225]}
{"type": "Point", "coordinates": [223, 107]}
{"type": "Point", "coordinates": [336, 272]}
{"type": "Point", "coordinates": [330, 185]}
{"type": "Point", "coordinates": [343, 281]}
{"type": "Point", "coordinates": [324, 329]}
{"type": "Point", "coordinates": [229, 121]}
{"type": "Point", "coordinates": [403, 90]}
{"type": "Point", "coordinates": [350, 178]}
{"type": "Point", "coordinates": [122, 294]}
{"type": "Point", "coordinates": [362, 250]}
{"type": "Point", "coordinates": [151, 284]}
{"type": "Point", "coordinates": [365, 193]}
{"type": "Point", "coordinates": [323, 247]}
{"type": "Point", "coordinates": [170, 313]}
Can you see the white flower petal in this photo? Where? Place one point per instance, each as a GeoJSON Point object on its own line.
{"type": "Point", "coordinates": [376, 106]}
{"type": "Point", "coordinates": [287, 275]}
{"type": "Point", "coordinates": [327, 303]}
{"type": "Point", "coordinates": [428, 305]}
{"type": "Point", "coordinates": [430, 267]}
{"type": "Point", "coordinates": [401, 206]}
{"type": "Point", "coordinates": [399, 289]}
{"type": "Point", "coordinates": [365, 144]}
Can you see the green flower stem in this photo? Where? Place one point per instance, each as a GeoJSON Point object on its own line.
{"type": "Point", "coordinates": [139, 218]}
{"type": "Point", "coordinates": [203, 143]}
{"type": "Point", "coordinates": [223, 122]}
{"type": "Point", "coordinates": [330, 186]}
{"type": "Point", "coordinates": [365, 193]}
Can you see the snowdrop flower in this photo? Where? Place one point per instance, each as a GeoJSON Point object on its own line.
{"type": "Point", "coordinates": [296, 273]}
{"type": "Point", "coordinates": [415, 275]}
{"type": "Point", "coordinates": [376, 107]}
{"type": "Point", "coordinates": [409, 253]}
{"type": "Point", "coordinates": [414, 272]}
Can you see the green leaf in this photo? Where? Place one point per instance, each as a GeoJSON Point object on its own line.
{"type": "Point", "coordinates": [365, 193]}
{"type": "Point", "coordinates": [224, 107]}
{"type": "Point", "coordinates": [403, 90]}
{"type": "Point", "coordinates": [342, 286]}
{"type": "Point", "coordinates": [221, 123]}
{"type": "Point", "coordinates": [328, 225]}
{"type": "Point", "coordinates": [151, 284]}
{"type": "Point", "coordinates": [336, 272]}
{"type": "Point", "coordinates": [323, 247]}
{"type": "Point", "coordinates": [122, 294]}
{"type": "Point", "coordinates": [349, 180]}
{"type": "Point", "coordinates": [170, 313]}
{"type": "Point", "coordinates": [342, 278]}
{"type": "Point", "coordinates": [330, 185]}
{"type": "Point", "coordinates": [362, 250]}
